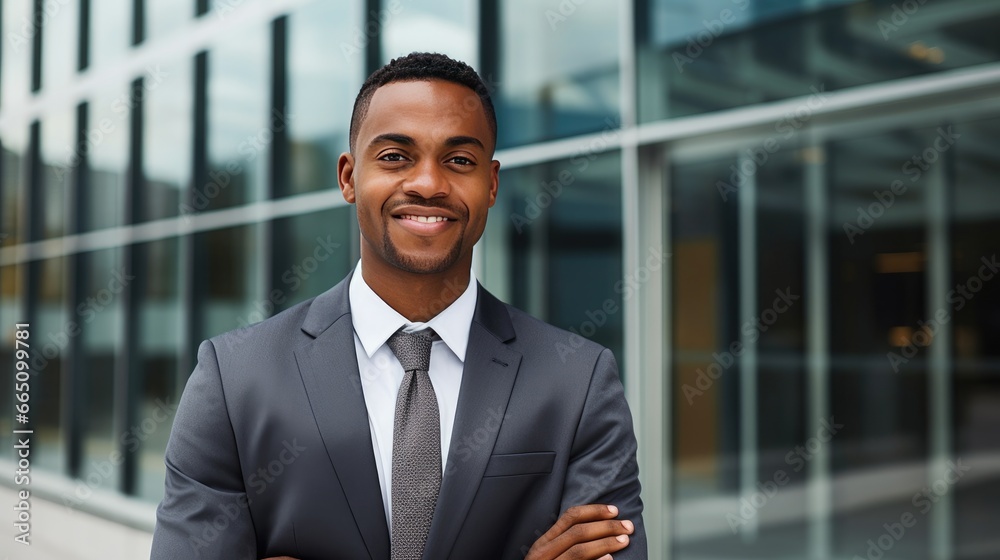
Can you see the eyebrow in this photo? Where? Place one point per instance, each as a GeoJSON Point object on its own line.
{"type": "Point", "coordinates": [397, 138]}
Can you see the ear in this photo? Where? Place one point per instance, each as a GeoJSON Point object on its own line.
{"type": "Point", "coordinates": [494, 181]}
{"type": "Point", "coordinates": [345, 176]}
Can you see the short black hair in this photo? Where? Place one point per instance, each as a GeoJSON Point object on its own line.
{"type": "Point", "coordinates": [418, 66]}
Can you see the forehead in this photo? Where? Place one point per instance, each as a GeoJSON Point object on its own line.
{"type": "Point", "coordinates": [426, 106]}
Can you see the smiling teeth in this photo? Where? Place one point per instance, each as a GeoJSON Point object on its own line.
{"type": "Point", "coordinates": [426, 219]}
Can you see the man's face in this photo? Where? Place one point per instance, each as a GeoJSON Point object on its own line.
{"type": "Point", "coordinates": [422, 175]}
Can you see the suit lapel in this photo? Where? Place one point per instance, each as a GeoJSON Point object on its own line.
{"type": "Point", "coordinates": [329, 369]}
{"type": "Point", "coordinates": [487, 381]}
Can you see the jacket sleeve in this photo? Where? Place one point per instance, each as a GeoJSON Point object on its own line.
{"type": "Point", "coordinates": [603, 467]}
{"type": "Point", "coordinates": [204, 513]}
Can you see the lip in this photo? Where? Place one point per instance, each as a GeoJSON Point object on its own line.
{"type": "Point", "coordinates": [412, 210]}
{"type": "Point", "coordinates": [422, 228]}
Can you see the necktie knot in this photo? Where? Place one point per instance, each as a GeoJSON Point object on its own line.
{"type": "Point", "coordinates": [413, 350]}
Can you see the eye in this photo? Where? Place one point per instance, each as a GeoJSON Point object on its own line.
{"type": "Point", "coordinates": [462, 160]}
{"type": "Point", "coordinates": [392, 157]}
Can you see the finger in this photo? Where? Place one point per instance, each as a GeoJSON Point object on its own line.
{"type": "Point", "coordinates": [578, 514]}
{"type": "Point", "coordinates": [599, 549]}
{"type": "Point", "coordinates": [588, 533]}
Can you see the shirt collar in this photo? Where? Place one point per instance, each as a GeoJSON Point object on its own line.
{"type": "Point", "coordinates": [374, 321]}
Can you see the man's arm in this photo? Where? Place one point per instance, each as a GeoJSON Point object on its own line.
{"type": "Point", "coordinates": [204, 511]}
{"type": "Point", "coordinates": [603, 467]}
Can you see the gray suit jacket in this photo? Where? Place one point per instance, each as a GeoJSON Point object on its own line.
{"type": "Point", "coordinates": [270, 452]}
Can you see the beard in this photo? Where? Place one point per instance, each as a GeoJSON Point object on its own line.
{"type": "Point", "coordinates": [421, 265]}
{"type": "Point", "coordinates": [417, 264]}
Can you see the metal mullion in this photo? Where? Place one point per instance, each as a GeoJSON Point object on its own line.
{"type": "Point", "coordinates": [129, 379]}
{"type": "Point", "coordinates": [817, 215]}
{"type": "Point", "coordinates": [940, 368]}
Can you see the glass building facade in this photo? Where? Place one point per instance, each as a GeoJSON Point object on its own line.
{"type": "Point", "coordinates": [782, 215]}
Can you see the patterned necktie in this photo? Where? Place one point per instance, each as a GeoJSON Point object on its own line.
{"type": "Point", "coordinates": [416, 446]}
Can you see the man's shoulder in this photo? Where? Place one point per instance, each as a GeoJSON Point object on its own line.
{"type": "Point", "coordinates": [279, 329]}
{"type": "Point", "coordinates": [540, 338]}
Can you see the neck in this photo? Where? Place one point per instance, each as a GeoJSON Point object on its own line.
{"type": "Point", "coordinates": [418, 297]}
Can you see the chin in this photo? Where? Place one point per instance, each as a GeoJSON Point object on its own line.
{"type": "Point", "coordinates": [422, 262]}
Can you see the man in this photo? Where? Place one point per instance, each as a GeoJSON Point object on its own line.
{"type": "Point", "coordinates": [405, 413]}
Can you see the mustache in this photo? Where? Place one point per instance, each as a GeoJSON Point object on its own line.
{"type": "Point", "coordinates": [428, 203]}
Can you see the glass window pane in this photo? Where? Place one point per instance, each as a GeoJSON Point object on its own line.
{"type": "Point", "coordinates": [320, 93]}
{"type": "Point", "coordinates": [737, 315]}
{"type": "Point", "coordinates": [312, 253]}
{"type": "Point", "coordinates": [698, 56]}
{"type": "Point", "coordinates": [558, 69]}
{"type": "Point", "coordinates": [704, 260]}
{"type": "Point", "coordinates": [159, 328]}
{"type": "Point", "coordinates": [107, 137]}
{"type": "Point", "coordinates": [59, 157]}
{"type": "Point", "coordinates": [878, 288]}
{"type": "Point", "coordinates": [14, 168]}
{"type": "Point", "coordinates": [60, 43]}
{"type": "Point", "coordinates": [99, 315]}
{"type": "Point", "coordinates": [239, 135]}
{"type": "Point", "coordinates": [51, 331]}
{"type": "Point", "coordinates": [229, 287]}
{"type": "Point", "coordinates": [110, 31]}
{"type": "Point", "coordinates": [164, 17]}
{"type": "Point", "coordinates": [15, 64]}
{"type": "Point", "coordinates": [11, 313]}
{"type": "Point", "coordinates": [167, 136]}
{"type": "Point", "coordinates": [975, 332]}
{"type": "Point", "coordinates": [554, 245]}
{"type": "Point", "coordinates": [448, 27]}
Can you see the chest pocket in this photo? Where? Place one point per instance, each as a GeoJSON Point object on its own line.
{"type": "Point", "coordinates": [517, 464]}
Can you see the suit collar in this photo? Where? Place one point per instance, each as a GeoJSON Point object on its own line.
{"type": "Point", "coordinates": [334, 303]}
{"type": "Point", "coordinates": [379, 321]}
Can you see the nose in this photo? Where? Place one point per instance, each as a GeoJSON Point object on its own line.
{"type": "Point", "coordinates": [427, 180]}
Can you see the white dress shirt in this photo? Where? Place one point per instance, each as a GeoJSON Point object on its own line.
{"type": "Point", "coordinates": [381, 374]}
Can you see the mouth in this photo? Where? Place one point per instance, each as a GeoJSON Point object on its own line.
{"type": "Point", "coordinates": [424, 221]}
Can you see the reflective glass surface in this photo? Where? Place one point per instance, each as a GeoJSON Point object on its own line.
{"type": "Point", "coordinates": [59, 25]}
{"type": "Point", "coordinates": [228, 286]}
{"type": "Point", "coordinates": [166, 142]}
{"type": "Point", "coordinates": [323, 78]}
{"type": "Point", "coordinates": [106, 138]}
{"type": "Point", "coordinates": [702, 56]}
{"type": "Point", "coordinates": [60, 157]}
{"type": "Point", "coordinates": [447, 27]}
{"type": "Point", "coordinates": [98, 312]}
{"type": "Point", "coordinates": [164, 17]}
{"type": "Point", "coordinates": [110, 31]}
{"type": "Point", "coordinates": [553, 225]}
{"type": "Point", "coordinates": [51, 331]}
{"type": "Point", "coordinates": [15, 57]}
{"type": "Point", "coordinates": [312, 253]}
{"type": "Point", "coordinates": [558, 70]}
{"type": "Point", "coordinates": [239, 129]}
{"type": "Point", "coordinates": [159, 339]}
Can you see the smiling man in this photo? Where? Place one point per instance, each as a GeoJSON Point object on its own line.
{"type": "Point", "coordinates": [405, 413]}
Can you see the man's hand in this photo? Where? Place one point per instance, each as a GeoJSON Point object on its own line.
{"type": "Point", "coordinates": [588, 532]}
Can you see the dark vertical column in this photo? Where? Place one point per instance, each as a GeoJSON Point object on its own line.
{"type": "Point", "coordinates": [192, 254]}
{"type": "Point", "coordinates": [74, 373]}
{"type": "Point", "coordinates": [373, 50]}
{"type": "Point", "coordinates": [138, 21]}
{"type": "Point", "coordinates": [83, 54]}
{"type": "Point", "coordinates": [36, 47]}
{"type": "Point", "coordinates": [278, 180]}
{"type": "Point", "coordinates": [129, 381]}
